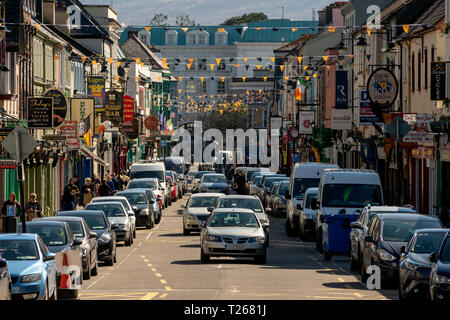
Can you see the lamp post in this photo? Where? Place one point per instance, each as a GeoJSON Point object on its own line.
{"type": "Point", "coordinates": [3, 30]}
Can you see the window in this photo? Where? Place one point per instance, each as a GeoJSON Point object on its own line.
{"type": "Point", "coordinates": [49, 63]}
{"type": "Point", "coordinates": [413, 72]}
{"type": "Point", "coordinates": [201, 39]}
{"type": "Point", "coordinates": [190, 87]}
{"type": "Point", "coordinates": [144, 36]}
{"type": "Point", "coordinates": [222, 66]}
{"type": "Point", "coordinates": [171, 37]}
{"type": "Point", "coordinates": [426, 69]}
{"type": "Point", "coordinates": [221, 38]}
{"type": "Point", "coordinates": [197, 37]}
{"type": "Point", "coordinates": [202, 87]}
{"type": "Point", "coordinates": [419, 70]}
{"type": "Point", "coordinates": [220, 87]}
{"type": "Point", "coordinates": [202, 64]}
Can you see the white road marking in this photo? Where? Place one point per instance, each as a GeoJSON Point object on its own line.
{"type": "Point", "coordinates": [97, 280]}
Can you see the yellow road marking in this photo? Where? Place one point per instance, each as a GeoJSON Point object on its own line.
{"type": "Point", "coordinates": [163, 296]}
{"type": "Point", "coordinates": [149, 264]}
{"type": "Point", "coordinates": [159, 275]}
{"type": "Point", "coordinates": [341, 280]}
{"type": "Point", "coordinates": [149, 296]}
{"type": "Point", "coordinates": [358, 295]}
{"type": "Point", "coordinates": [163, 281]}
{"type": "Point", "coordinates": [154, 269]}
{"type": "Point", "coordinates": [145, 260]}
{"type": "Point", "coordinates": [143, 257]}
{"type": "Point", "coordinates": [168, 289]}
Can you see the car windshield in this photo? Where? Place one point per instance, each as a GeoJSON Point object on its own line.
{"type": "Point", "coordinates": [373, 213]}
{"type": "Point", "coordinates": [95, 222]}
{"type": "Point", "coordinates": [110, 209]}
{"type": "Point", "coordinates": [148, 174]}
{"type": "Point", "coordinates": [234, 219]}
{"type": "Point", "coordinates": [301, 184]}
{"type": "Point", "coordinates": [202, 202]}
{"type": "Point", "coordinates": [428, 242]}
{"type": "Point", "coordinates": [18, 249]}
{"type": "Point", "coordinates": [52, 235]}
{"type": "Point", "coordinates": [257, 180]}
{"type": "Point", "coordinates": [283, 188]}
{"type": "Point", "coordinates": [200, 174]}
{"type": "Point", "coordinates": [214, 179]}
{"type": "Point", "coordinates": [271, 181]}
{"type": "Point", "coordinates": [77, 228]}
{"type": "Point", "coordinates": [151, 184]}
{"type": "Point", "coordinates": [399, 230]}
{"type": "Point", "coordinates": [309, 197]}
{"type": "Point", "coordinates": [177, 167]}
{"type": "Point", "coordinates": [351, 195]}
{"type": "Point", "coordinates": [135, 198]}
{"type": "Point", "coordinates": [252, 204]}
{"type": "Point", "coordinates": [445, 252]}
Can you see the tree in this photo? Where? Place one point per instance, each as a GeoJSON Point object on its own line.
{"type": "Point", "coordinates": [159, 20]}
{"type": "Point", "coordinates": [184, 20]}
{"type": "Point", "coordinates": [228, 120]}
{"type": "Point", "coordinates": [245, 19]}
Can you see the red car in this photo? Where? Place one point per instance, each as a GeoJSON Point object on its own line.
{"type": "Point", "coordinates": [173, 188]}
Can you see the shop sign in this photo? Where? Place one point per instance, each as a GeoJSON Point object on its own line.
{"type": "Point", "coordinates": [96, 88]}
{"type": "Point", "coordinates": [418, 137]}
{"type": "Point", "coordinates": [131, 129]}
{"type": "Point", "coordinates": [341, 119]}
{"type": "Point", "coordinates": [128, 109]}
{"type": "Point", "coordinates": [151, 123]}
{"type": "Point", "coordinates": [366, 115]}
{"type": "Point", "coordinates": [382, 88]}
{"type": "Point", "coordinates": [428, 153]}
{"type": "Point", "coordinates": [415, 153]}
{"type": "Point", "coordinates": [438, 86]}
{"type": "Point", "coordinates": [70, 130]}
{"type": "Point", "coordinates": [40, 113]}
{"type": "Point", "coordinates": [305, 120]}
{"type": "Point", "coordinates": [341, 90]}
{"type": "Point", "coordinates": [114, 107]}
{"type": "Point", "coordinates": [60, 105]}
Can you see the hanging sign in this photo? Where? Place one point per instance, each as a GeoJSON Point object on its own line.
{"type": "Point", "coordinates": [114, 107]}
{"type": "Point", "coordinates": [341, 119]}
{"type": "Point", "coordinates": [341, 90]}
{"type": "Point", "coordinates": [96, 88]}
{"type": "Point", "coordinates": [59, 106]}
{"type": "Point", "coordinates": [438, 86]}
{"type": "Point", "coordinates": [305, 121]}
{"type": "Point", "coordinates": [151, 123]}
{"type": "Point", "coordinates": [366, 115]}
{"type": "Point", "coordinates": [69, 129]}
{"type": "Point", "coordinates": [382, 88]}
{"type": "Point", "coordinates": [40, 112]}
{"type": "Point", "coordinates": [128, 109]}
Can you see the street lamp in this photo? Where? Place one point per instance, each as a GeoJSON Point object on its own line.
{"type": "Point", "coordinates": [362, 44]}
{"type": "Point", "coordinates": [3, 30]}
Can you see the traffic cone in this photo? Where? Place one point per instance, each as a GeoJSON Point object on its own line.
{"type": "Point", "coordinates": [65, 282]}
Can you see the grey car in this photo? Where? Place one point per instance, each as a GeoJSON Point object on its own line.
{"type": "Point", "coordinates": [233, 233]}
{"type": "Point", "coordinates": [5, 280]}
{"type": "Point", "coordinates": [196, 210]}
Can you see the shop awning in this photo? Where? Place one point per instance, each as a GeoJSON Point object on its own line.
{"type": "Point", "coordinates": [88, 153]}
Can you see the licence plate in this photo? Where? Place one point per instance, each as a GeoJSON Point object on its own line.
{"type": "Point", "coordinates": [235, 247]}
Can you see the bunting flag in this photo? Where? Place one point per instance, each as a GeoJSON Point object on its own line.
{"type": "Point", "coordinates": [305, 67]}
{"type": "Point", "coordinates": [164, 60]}
{"type": "Point", "coordinates": [221, 30]}
{"type": "Point", "coordinates": [118, 64]}
{"type": "Point", "coordinates": [325, 58]}
{"type": "Point", "coordinates": [87, 131]}
{"type": "Point", "coordinates": [331, 29]}
{"type": "Point", "coordinates": [83, 59]}
{"type": "Point", "coordinates": [237, 66]}
{"type": "Point", "coordinates": [286, 78]}
{"type": "Point", "coordinates": [117, 79]}
{"type": "Point", "coordinates": [142, 64]}
{"type": "Point", "coordinates": [189, 66]}
{"type": "Point", "coordinates": [137, 60]}
{"type": "Point", "coordinates": [37, 26]}
{"type": "Point", "coordinates": [94, 62]}
{"type": "Point", "coordinates": [352, 56]}
{"type": "Point", "coordinates": [328, 67]}
{"type": "Point", "coordinates": [294, 29]}
{"type": "Point", "coordinates": [368, 31]}
{"type": "Point", "coordinates": [212, 65]}
{"type": "Point", "coordinates": [218, 61]}
{"type": "Point", "coordinates": [307, 78]}
{"type": "Point", "coordinates": [185, 29]}
{"type": "Point", "coordinates": [315, 75]}
{"type": "Point", "coordinates": [405, 28]}
{"type": "Point", "coordinates": [281, 68]}
{"type": "Point", "coordinates": [258, 67]}
{"type": "Point", "coordinates": [272, 59]}
{"type": "Point", "coordinates": [265, 79]}
{"type": "Point", "coordinates": [244, 78]}
{"type": "Point", "coordinates": [148, 28]}
{"type": "Point", "coordinates": [110, 60]}
{"type": "Point", "coordinates": [223, 79]}
{"type": "Point", "coordinates": [180, 78]}
{"type": "Point", "coordinates": [191, 60]}
{"type": "Point", "coordinates": [300, 59]}
{"type": "Point", "coordinates": [202, 78]}
{"type": "Point", "coordinates": [245, 59]}
{"type": "Point", "coordinates": [259, 28]}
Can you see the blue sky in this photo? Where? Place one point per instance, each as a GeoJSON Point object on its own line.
{"type": "Point", "coordinates": [210, 12]}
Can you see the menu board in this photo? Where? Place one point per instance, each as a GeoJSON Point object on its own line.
{"type": "Point", "coordinates": [40, 112]}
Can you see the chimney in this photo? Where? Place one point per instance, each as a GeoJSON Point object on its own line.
{"type": "Point", "coordinates": [48, 10]}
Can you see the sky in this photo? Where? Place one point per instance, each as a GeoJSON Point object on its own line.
{"type": "Point", "coordinates": [210, 12]}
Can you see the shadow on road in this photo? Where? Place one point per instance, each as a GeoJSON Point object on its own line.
{"type": "Point", "coordinates": [345, 285]}
{"type": "Point", "coordinates": [171, 235]}
{"type": "Point", "coordinates": [190, 246]}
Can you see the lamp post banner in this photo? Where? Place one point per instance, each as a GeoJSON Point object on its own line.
{"type": "Point", "coordinates": [438, 84]}
{"type": "Point", "coordinates": [305, 120]}
{"type": "Point", "coordinates": [96, 88]}
{"type": "Point", "coordinates": [341, 90]}
{"type": "Point", "coordinates": [382, 88]}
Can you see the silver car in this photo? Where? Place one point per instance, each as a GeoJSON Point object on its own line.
{"type": "Point", "coordinates": [233, 232]}
{"type": "Point", "coordinates": [196, 210]}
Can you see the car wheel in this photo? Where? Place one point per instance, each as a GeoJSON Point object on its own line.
{"type": "Point", "coordinates": [204, 257]}
{"type": "Point", "coordinates": [327, 256]}
{"type": "Point", "coordinates": [186, 232]}
{"type": "Point", "coordinates": [129, 241]}
{"type": "Point", "coordinates": [87, 274]}
{"type": "Point", "coordinates": [364, 275]}
{"type": "Point", "coordinates": [94, 271]}
{"type": "Point", "coordinates": [110, 262]}
{"type": "Point", "coordinates": [261, 259]}
{"type": "Point", "coordinates": [289, 230]}
{"type": "Point", "coordinates": [148, 226]}
{"type": "Point", "coordinates": [159, 218]}
{"type": "Point", "coordinates": [319, 247]}
{"type": "Point", "coordinates": [55, 294]}
{"type": "Point", "coordinates": [134, 233]}
{"type": "Point", "coordinates": [353, 263]}
{"type": "Point", "coordinates": [115, 256]}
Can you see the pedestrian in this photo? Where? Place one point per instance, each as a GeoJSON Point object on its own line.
{"type": "Point", "coordinates": [33, 208]}
{"type": "Point", "coordinates": [96, 182]}
{"type": "Point", "coordinates": [76, 184]}
{"type": "Point", "coordinates": [68, 198]}
{"type": "Point", "coordinates": [121, 183]}
{"type": "Point", "coordinates": [115, 181]}
{"type": "Point", "coordinates": [87, 191]}
{"type": "Point", "coordinates": [124, 178]}
{"type": "Point", "coordinates": [11, 207]}
{"type": "Point", "coordinates": [104, 189]}
{"type": "Point", "coordinates": [240, 183]}
{"type": "Point", "coordinates": [110, 183]}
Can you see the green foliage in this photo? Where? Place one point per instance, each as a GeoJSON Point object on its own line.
{"type": "Point", "coordinates": [245, 19]}
{"type": "Point", "coordinates": [228, 120]}
{"type": "Point", "coordinates": [184, 20]}
{"type": "Point", "coordinates": [159, 20]}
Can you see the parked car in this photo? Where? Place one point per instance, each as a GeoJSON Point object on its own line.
{"type": "Point", "coordinates": [386, 235]}
{"type": "Point", "coordinates": [415, 266]}
{"type": "Point", "coordinates": [213, 182]}
{"type": "Point", "coordinates": [307, 217]}
{"type": "Point", "coordinates": [251, 171]}
{"type": "Point", "coordinates": [106, 237]}
{"type": "Point", "coordinates": [345, 191]}
{"type": "Point", "coordinates": [261, 185]}
{"type": "Point", "coordinates": [279, 202]}
{"type": "Point", "coordinates": [88, 238]}
{"type": "Point", "coordinates": [5, 280]}
{"type": "Point", "coordinates": [178, 166]}
{"type": "Point", "coordinates": [190, 181]}
{"type": "Point", "coordinates": [58, 237]}
{"type": "Point", "coordinates": [440, 272]}
{"type": "Point", "coordinates": [143, 206]}
{"type": "Point", "coordinates": [32, 267]}
{"type": "Point", "coordinates": [270, 197]}
{"type": "Point", "coordinates": [176, 182]}
{"type": "Point", "coordinates": [303, 176]}
{"type": "Point", "coordinates": [125, 203]}
{"type": "Point", "coordinates": [172, 189]}
{"type": "Point", "coordinates": [196, 182]}
{"type": "Point", "coordinates": [150, 183]}
{"type": "Point", "coordinates": [196, 210]}
{"type": "Point", "coordinates": [360, 227]}
{"type": "Point", "coordinates": [233, 232]}
{"type": "Point", "coordinates": [267, 185]}
{"type": "Point", "coordinates": [117, 215]}
{"type": "Point", "coordinates": [255, 181]}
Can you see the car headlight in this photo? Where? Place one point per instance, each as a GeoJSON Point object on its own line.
{"type": "Point", "coordinates": [257, 239]}
{"type": "Point", "coordinates": [84, 251]}
{"type": "Point", "coordinates": [213, 238]}
{"type": "Point", "coordinates": [263, 221]}
{"type": "Point", "coordinates": [413, 266]}
{"type": "Point", "coordinates": [144, 212]}
{"type": "Point", "coordinates": [437, 278]}
{"type": "Point", "coordinates": [191, 217]}
{"type": "Point", "coordinates": [386, 256]}
{"type": "Point", "coordinates": [106, 237]}
{"type": "Point", "coordinates": [31, 277]}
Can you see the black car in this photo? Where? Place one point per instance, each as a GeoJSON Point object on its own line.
{"type": "Point", "coordinates": [106, 237]}
{"type": "Point", "coordinates": [5, 280]}
{"type": "Point", "coordinates": [387, 233]}
{"type": "Point", "coordinates": [58, 237]}
{"type": "Point", "coordinates": [88, 244]}
{"type": "Point", "coordinates": [415, 267]}
{"type": "Point", "coordinates": [142, 204]}
{"type": "Point", "coordinates": [440, 272]}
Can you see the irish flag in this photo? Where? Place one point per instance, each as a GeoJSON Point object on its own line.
{"type": "Point", "coordinates": [301, 87]}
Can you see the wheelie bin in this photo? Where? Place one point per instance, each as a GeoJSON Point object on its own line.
{"type": "Point", "coordinates": [336, 234]}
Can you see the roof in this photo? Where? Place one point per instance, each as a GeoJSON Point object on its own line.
{"type": "Point", "coordinates": [218, 210]}
{"type": "Point", "coordinates": [407, 216]}
{"type": "Point", "coordinates": [135, 48]}
{"type": "Point", "coordinates": [63, 218]}
{"type": "Point", "coordinates": [430, 18]}
{"type": "Point", "coordinates": [432, 230]}
{"type": "Point", "coordinates": [73, 42]}
{"type": "Point", "coordinates": [14, 236]}
{"type": "Point", "coordinates": [144, 179]}
{"type": "Point", "coordinates": [46, 222]}
{"type": "Point", "coordinates": [108, 198]}
{"type": "Point", "coordinates": [391, 209]}
{"type": "Point", "coordinates": [79, 212]}
{"type": "Point", "coordinates": [292, 45]}
{"type": "Point", "coordinates": [210, 194]}
{"type": "Point", "coordinates": [134, 190]}
{"type": "Point", "coordinates": [240, 196]}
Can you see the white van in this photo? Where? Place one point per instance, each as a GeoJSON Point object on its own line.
{"type": "Point", "coordinates": [345, 191]}
{"type": "Point", "coordinates": [305, 175]}
{"type": "Point", "coordinates": [151, 169]}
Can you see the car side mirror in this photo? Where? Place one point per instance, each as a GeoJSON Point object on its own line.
{"type": "Point", "coordinates": [368, 239]}
{"type": "Point", "coordinates": [314, 204]}
{"type": "Point", "coordinates": [355, 225]}
{"type": "Point", "coordinates": [49, 256]}
{"type": "Point", "coordinates": [268, 209]}
{"type": "Point", "coordinates": [433, 257]}
{"type": "Point", "coordinates": [3, 263]}
{"type": "Point", "coordinates": [77, 242]}
{"type": "Point", "coordinates": [299, 206]}
{"type": "Point", "coordinates": [92, 235]}
{"type": "Point", "coordinates": [152, 201]}
{"type": "Point", "coordinates": [131, 213]}
{"type": "Point", "coordinates": [322, 218]}
{"type": "Point", "coordinates": [135, 209]}
{"type": "Point", "coordinates": [183, 206]}
{"type": "Point", "coordinates": [403, 249]}
{"type": "Point", "coordinates": [210, 209]}
{"type": "Point", "coordinates": [265, 225]}
{"type": "Point", "coordinates": [114, 226]}
{"type": "Point", "coordinates": [287, 196]}
{"type": "Point", "coordinates": [203, 224]}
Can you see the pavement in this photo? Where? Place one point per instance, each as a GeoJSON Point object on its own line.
{"type": "Point", "coordinates": [163, 264]}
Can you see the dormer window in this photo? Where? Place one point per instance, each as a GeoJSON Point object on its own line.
{"type": "Point", "coordinates": [171, 38]}
{"type": "Point", "coordinates": [221, 38]}
{"type": "Point", "coordinates": [197, 37]}
{"type": "Point", "coordinates": [144, 36]}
